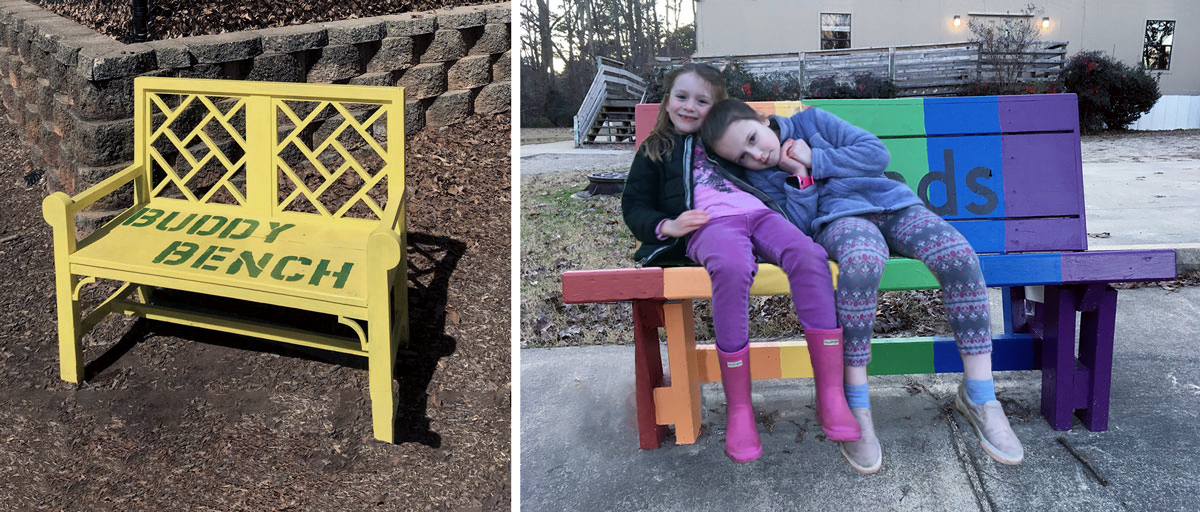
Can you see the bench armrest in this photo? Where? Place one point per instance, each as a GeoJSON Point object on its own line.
{"type": "Point", "coordinates": [386, 245]}
{"type": "Point", "coordinates": [104, 188]}
{"type": "Point", "coordinates": [59, 209]}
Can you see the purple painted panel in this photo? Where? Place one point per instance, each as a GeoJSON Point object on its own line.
{"type": "Point", "coordinates": [1056, 234]}
{"type": "Point", "coordinates": [1043, 175]}
{"type": "Point", "coordinates": [1113, 266]}
{"type": "Point", "coordinates": [1096, 329]}
{"type": "Point", "coordinates": [1058, 356]}
{"type": "Point", "coordinates": [1039, 113]}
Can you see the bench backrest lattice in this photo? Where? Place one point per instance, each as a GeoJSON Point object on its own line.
{"type": "Point", "coordinates": [322, 151]}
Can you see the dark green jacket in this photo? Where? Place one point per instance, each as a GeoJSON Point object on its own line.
{"type": "Point", "coordinates": [662, 190]}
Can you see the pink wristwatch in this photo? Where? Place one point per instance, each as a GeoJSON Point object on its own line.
{"type": "Point", "coordinates": [802, 182]}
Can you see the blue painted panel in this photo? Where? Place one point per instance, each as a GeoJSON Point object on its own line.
{"type": "Point", "coordinates": [962, 116]}
{"type": "Point", "coordinates": [945, 356]}
{"type": "Point", "coordinates": [1009, 352]}
{"type": "Point", "coordinates": [984, 235]}
{"type": "Point", "coordinates": [1013, 352]}
{"type": "Point", "coordinates": [1021, 269]}
{"type": "Point", "coordinates": [964, 179]}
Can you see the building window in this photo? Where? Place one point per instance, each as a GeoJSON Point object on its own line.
{"type": "Point", "coordinates": [835, 31]}
{"type": "Point", "coordinates": [1156, 52]}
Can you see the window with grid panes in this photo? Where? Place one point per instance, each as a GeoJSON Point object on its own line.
{"type": "Point", "coordinates": [835, 31]}
{"type": "Point", "coordinates": [1156, 51]}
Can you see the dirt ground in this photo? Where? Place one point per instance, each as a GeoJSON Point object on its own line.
{"type": "Point", "coordinates": [180, 18]}
{"type": "Point", "coordinates": [171, 418]}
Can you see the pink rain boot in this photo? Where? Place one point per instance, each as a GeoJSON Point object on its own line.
{"type": "Point", "coordinates": [741, 432]}
{"type": "Point", "coordinates": [825, 351]}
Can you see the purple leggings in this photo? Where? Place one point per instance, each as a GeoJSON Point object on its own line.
{"type": "Point", "coordinates": [727, 247]}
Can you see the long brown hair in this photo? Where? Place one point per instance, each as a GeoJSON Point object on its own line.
{"type": "Point", "coordinates": [661, 141]}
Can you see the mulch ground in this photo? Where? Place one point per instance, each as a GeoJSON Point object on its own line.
{"type": "Point", "coordinates": [181, 18]}
{"type": "Point", "coordinates": [172, 418]}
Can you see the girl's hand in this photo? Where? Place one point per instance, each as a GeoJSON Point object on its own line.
{"type": "Point", "coordinates": [789, 163]}
{"type": "Point", "coordinates": [800, 151]}
{"type": "Point", "coordinates": [685, 223]}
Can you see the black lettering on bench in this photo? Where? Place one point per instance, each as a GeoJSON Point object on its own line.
{"type": "Point", "coordinates": [989, 196]}
{"type": "Point", "coordinates": [947, 178]}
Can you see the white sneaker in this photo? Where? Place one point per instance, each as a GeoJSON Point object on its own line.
{"type": "Point", "coordinates": [864, 455]}
{"type": "Point", "coordinates": [991, 426]}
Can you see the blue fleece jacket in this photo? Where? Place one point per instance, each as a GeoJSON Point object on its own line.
{"type": "Point", "coordinates": [847, 169]}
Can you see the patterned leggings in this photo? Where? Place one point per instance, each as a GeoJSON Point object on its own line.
{"type": "Point", "coordinates": [861, 245]}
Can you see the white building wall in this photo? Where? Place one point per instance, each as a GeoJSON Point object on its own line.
{"type": "Point", "coordinates": [740, 27]}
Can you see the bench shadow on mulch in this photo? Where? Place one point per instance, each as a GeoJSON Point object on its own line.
{"type": "Point", "coordinates": [429, 280]}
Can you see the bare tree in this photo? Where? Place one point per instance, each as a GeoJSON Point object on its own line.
{"type": "Point", "coordinates": [562, 40]}
{"type": "Point", "coordinates": [1005, 43]}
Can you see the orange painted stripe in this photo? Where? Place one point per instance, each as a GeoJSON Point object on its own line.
{"type": "Point", "coordinates": [768, 360]}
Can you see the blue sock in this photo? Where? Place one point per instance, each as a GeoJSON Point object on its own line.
{"type": "Point", "coordinates": [857, 395]}
{"type": "Point", "coordinates": [980, 391]}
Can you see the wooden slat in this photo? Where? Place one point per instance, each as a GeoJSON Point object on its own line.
{"type": "Point", "coordinates": [999, 270]}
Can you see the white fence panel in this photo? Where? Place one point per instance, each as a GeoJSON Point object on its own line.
{"type": "Point", "coordinates": [1171, 113]}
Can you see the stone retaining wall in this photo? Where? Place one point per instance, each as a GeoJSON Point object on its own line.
{"type": "Point", "coordinates": [70, 89]}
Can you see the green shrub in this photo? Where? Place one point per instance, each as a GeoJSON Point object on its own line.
{"type": "Point", "coordinates": [740, 83]}
{"type": "Point", "coordinates": [1111, 93]}
{"type": "Point", "coordinates": [865, 85]}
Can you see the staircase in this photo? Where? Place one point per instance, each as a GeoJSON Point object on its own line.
{"type": "Point", "coordinates": [606, 115]}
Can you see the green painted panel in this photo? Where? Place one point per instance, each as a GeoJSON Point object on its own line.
{"type": "Point", "coordinates": [893, 356]}
{"type": "Point", "coordinates": [885, 118]}
{"type": "Point", "coordinates": [910, 159]}
{"type": "Point", "coordinates": [907, 274]}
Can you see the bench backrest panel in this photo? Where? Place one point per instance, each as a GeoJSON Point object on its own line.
{"type": "Point", "coordinates": [1005, 170]}
{"type": "Point", "coordinates": [273, 149]}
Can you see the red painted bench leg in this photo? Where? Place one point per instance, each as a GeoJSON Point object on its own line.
{"type": "Point", "coordinates": [648, 371]}
{"type": "Point", "coordinates": [1097, 325]}
{"type": "Point", "coordinates": [1057, 317]}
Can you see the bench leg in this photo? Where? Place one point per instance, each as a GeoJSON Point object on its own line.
{"type": "Point", "coordinates": [1097, 325]}
{"type": "Point", "coordinates": [381, 363]}
{"type": "Point", "coordinates": [1058, 355]}
{"type": "Point", "coordinates": [70, 335]}
{"type": "Point", "coordinates": [648, 371]}
{"type": "Point", "coordinates": [679, 404]}
{"type": "Point", "coordinates": [1013, 300]}
{"type": "Point", "coordinates": [1072, 386]}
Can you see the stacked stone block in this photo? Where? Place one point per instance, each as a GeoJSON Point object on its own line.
{"type": "Point", "coordinates": [70, 89]}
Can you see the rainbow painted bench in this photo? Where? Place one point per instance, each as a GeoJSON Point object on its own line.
{"type": "Point", "coordinates": [289, 195]}
{"type": "Point", "coordinates": [1006, 172]}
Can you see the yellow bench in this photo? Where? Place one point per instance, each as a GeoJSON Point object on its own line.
{"type": "Point", "coordinates": [290, 195]}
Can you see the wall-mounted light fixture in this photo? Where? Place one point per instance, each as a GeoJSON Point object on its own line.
{"type": "Point", "coordinates": [1046, 22]}
{"type": "Point", "coordinates": [957, 20]}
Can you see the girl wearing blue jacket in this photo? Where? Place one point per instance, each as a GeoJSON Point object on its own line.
{"type": "Point", "coordinates": [684, 208]}
{"type": "Point", "coordinates": [829, 175]}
